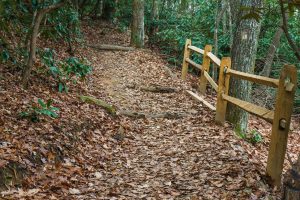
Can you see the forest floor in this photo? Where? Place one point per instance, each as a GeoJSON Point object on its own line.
{"type": "Point", "coordinates": [88, 153]}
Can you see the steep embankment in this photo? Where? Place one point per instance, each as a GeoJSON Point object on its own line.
{"type": "Point", "coordinates": [176, 152]}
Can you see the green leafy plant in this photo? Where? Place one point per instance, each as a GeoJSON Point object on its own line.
{"type": "Point", "coordinates": [4, 55]}
{"type": "Point", "coordinates": [64, 70]}
{"type": "Point", "coordinates": [54, 70]}
{"type": "Point", "coordinates": [43, 108]}
{"type": "Point", "coordinates": [66, 25]}
{"type": "Point", "coordinates": [49, 61]}
{"type": "Point", "coordinates": [255, 137]}
{"type": "Point", "coordinates": [76, 66]}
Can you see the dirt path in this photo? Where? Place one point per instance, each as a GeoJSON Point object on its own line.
{"type": "Point", "coordinates": [183, 158]}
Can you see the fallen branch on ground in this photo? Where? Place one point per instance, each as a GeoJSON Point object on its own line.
{"type": "Point", "coordinates": [91, 100]}
{"type": "Point", "coordinates": [137, 115]}
{"type": "Point", "coordinates": [158, 89]}
{"type": "Point", "coordinates": [109, 47]}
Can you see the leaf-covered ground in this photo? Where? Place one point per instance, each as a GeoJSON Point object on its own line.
{"type": "Point", "coordinates": [89, 154]}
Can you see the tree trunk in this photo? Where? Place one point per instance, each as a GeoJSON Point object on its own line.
{"type": "Point", "coordinates": [137, 28]}
{"type": "Point", "coordinates": [230, 26]}
{"type": "Point", "coordinates": [101, 8]}
{"type": "Point", "coordinates": [291, 183]}
{"type": "Point", "coordinates": [96, 9]}
{"type": "Point", "coordinates": [271, 52]}
{"type": "Point", "coordinates": [115, 10]}
{"type": "Point", "coordinates": [243, 59]}
{"type": "Point", "coordinates": [82, 4]}
{"type": "Point", "coordinates": [235, 8]}
{"type": "Point", "coordinates": [154, 17]}
{"type": "Point", "coordinates": [224, 18]}
{"type": "Point", "coordinates": [108, 10]}
{"type": "Point", "coordinates": [219, 14]}
{"type": "Point", "coordinates": [32, 50]}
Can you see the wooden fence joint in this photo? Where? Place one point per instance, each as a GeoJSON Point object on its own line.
{"type": "Point", "coordinates": [223, 89]}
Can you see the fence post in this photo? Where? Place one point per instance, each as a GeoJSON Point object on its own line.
{"type": "Point", "coordinates": [223, 89]}
{"type": "Point", "coordinates": [281, 122]}
{"type": "Point", "coordinates": [205, 65]}
{"type": "Point", "coordinates": [185, 65]}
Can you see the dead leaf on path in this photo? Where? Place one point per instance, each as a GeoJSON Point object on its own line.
{"type": "Point", "coordinates": [74, 191]}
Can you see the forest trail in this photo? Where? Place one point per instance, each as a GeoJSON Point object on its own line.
{"type": "Point", "coordinates": [186, 158]}
{"type": "Point", "coordinates": [89, 154]}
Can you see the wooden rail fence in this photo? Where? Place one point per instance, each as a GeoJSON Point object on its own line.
{"type": "Point", "coordinates": [280, 117]}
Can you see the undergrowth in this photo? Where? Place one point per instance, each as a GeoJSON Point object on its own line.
{"type": "Point", "coordinates": [40, 109]}
{"type": "Point", "coordinates": [252, 137]}
{"type": "Point", "coordinates": [66, 70]}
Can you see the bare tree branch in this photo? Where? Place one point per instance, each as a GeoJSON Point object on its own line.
{"type": "Point", "coordinates": [286, 31]}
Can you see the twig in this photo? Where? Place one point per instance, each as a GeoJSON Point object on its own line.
{"type": "Point", "coordinates": [287, 35]}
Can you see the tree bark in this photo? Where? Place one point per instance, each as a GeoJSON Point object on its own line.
{"type": "Point", "coordinates": [137, 28]}
{"type": "Point", "coordinates": [291, 183]}
{"type": "Point", "coordinates": [219, 14]}
{"type": "Point", "coordinates": [243, 59]}
{"type": "Point", "coordinates": [154, 17]}
{"type": "Point", "coordinates": [235, 8]}
{"type": "Point", "coordinates": [271, 52]}
{"type": "Point", "coordinates": [230, 26]}
{"type": "Point", "coordinates": [32, 52]}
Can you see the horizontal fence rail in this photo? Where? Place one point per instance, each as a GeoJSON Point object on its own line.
{"type": "Point", "coordinates": [280, 117]}
{"type": "Point", "coordinates": [194, 64]}
{"type": "Point", "coordinates": [196, 49]}
{"type": "Point", "coordinates": [214, 58]}
{"type": "Point", "coordinates": [262, 112]}
{"type": "Point", "coordinates": [254, 78]}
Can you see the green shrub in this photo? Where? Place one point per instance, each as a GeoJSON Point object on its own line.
{"type": "Point", "coordinates": [253, 137]}
{"type": "Point", "coordinates": [63, 71]}
{"type": "Point", "coordinates": [77, 67]}
{"type": "Point", "coordinates": [46, 109]}
{"type": "Point", "coordinates": [4, 56]}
